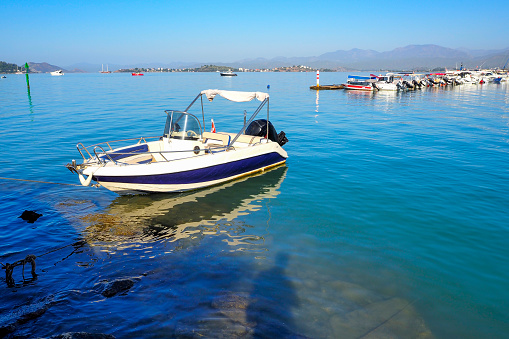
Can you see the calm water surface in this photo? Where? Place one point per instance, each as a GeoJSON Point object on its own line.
{"type": "Point", "coordinates": [388, 220]}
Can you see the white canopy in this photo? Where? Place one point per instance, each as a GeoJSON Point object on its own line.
{"type": "Point", "coordinates": [235, 95]}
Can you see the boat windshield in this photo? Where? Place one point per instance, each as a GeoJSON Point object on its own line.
{"type": "Point", "coordinates": [182, 125]}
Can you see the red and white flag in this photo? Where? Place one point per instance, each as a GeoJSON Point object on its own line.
{"type": "Point", "coordinates": [213, 129]}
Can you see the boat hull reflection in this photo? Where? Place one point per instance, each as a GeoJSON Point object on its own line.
{"type": "Point", "coordinates": [131, 220]}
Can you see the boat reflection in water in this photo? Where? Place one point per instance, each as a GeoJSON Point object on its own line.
{"type": "Point", "coordinates": [131, 220]}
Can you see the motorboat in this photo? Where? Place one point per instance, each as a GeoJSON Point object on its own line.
{"type": "Point", "coordinates": [185, 157]}
{"type": "Point", "coordinates": [136, 73]}
{"type": "Point", "coordinates": [385, 83]}
{"type": "Point", "coordinates": [413, 81]}
{"type": "Point", "coordinates": [360, 83]}
{"type": "Point", "coordinates": [229, 73]}
{"type": "Point", "coordinates": [57, 73]}
{"type": "Point", "coordinates": [4, 77]}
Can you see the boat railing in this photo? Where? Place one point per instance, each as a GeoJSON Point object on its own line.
{"type": "Point", "coordinates": [106, 153]}
{"type": "Point", "coordinates": [81, 147]}
{"type": "Point", "coordinates": [84, 148]}
{"type": "Point", "coordinates": [102, 156]}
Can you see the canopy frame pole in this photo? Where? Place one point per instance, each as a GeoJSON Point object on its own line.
{"type": "Point", "coordinates": [267, 136]}
{"type": "Point", "coordinates": [202, 114]}
{"type": "Point", "coordinates": [266, 100]}
{"type": "Point", "coordinates": [192, 103]}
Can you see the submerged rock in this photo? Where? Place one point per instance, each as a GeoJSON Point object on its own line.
{"type": "Point", "coordinates": [231, 300]}
{"type": "Point", "coordinates": [118, 286]}
{"type": "Point", "coordinates": [233, 307]}
{"type": "Point", "coordinates": [23, 314]}
{"type": "Point", "coordinates": [30, 216]}
{"type": "Point", "coordinates": [6, 329]}
{"type": "Point", "coordinates": [82, 335]}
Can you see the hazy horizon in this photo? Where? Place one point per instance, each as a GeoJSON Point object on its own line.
{"type": "Point", "coordinates": [139, 32]}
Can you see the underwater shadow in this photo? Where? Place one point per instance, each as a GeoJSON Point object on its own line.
{"type": "Point", "coordinates": [271, 302]}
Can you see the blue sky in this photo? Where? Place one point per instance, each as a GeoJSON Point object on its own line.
{"type": "Point", "coordinates": [130, 32]}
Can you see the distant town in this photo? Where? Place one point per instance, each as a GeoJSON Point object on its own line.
{"type": "Point", "coordinates": [9, 68]}
{"type": "Point", "coordinates": [214, 68]}
{"type": "Point", "coordinates": [46, 68]}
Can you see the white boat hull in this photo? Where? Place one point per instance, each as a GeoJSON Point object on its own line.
{"type": "Point", "coordinates": [386, 86]}
{"type": "Point", "coordinates": [202, 170]}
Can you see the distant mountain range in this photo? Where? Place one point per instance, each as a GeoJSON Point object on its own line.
{"type": "Point", "coordinates": [44, 67]}
{"type": "Point", "coordinates": [411, 57]}
{"type": "Point", "coordinates": [402, 58]}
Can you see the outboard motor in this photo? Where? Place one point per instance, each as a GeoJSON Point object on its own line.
{"type": "Point", "coordinates": [258, 128]}
{"type": "Point", "coordinates": [408, 85]}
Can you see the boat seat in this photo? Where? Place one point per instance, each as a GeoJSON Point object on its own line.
{"type": "Point", "coordinates": [226, 138]}
{"type": "Point", "coordinates": [248, 139]}
{"type": "Point", "coordinates": [139, 159]}
{"type": "Point", "coordinates": [213, 138]}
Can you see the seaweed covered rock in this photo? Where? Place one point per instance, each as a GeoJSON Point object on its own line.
{"type": "Point", "coordinates": [118, 286]}
{"type": "Point", "coordinates": [23, 314]}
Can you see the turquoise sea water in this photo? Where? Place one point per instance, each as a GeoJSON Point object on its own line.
{"type": "Point", "coordinates": [390, 218]}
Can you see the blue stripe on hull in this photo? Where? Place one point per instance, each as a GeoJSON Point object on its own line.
{"type": "Point", "coordinates": [217, 172]}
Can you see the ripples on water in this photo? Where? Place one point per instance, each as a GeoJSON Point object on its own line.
{"type": "Point", "coordinates": [389, 218]}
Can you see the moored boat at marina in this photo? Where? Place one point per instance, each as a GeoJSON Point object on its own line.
{"type": "Point", "coordinates": [408, 81]}
{"type": "Point", "coordinates": [385, 83]}
{"type": "Point", "coordinates": [185, 157]}
{"type": "Point", "coordinates": [360, 83]}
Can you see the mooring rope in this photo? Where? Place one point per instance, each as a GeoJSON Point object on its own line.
{"type": "Point", "coordinates": [31, 259]}
{"type": "Point", "coordinates": [42, 182]}
{"type": "Point", "coordinates": [9, 267]}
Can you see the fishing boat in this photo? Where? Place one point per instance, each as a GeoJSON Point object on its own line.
{"type": "Point", "coordinates": [360, 83]}
{"type": "Point", "coordinates": [57, 73]}
{"type": "Point", "coordinates": [229, 73]}
{"type": "Point", "coordinates": [136, 73]}
{"type": "Point", "coordinates": [185, 157]}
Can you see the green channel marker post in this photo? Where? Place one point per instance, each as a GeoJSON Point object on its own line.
{"type": "Point", "coordinates": [28, 83]}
